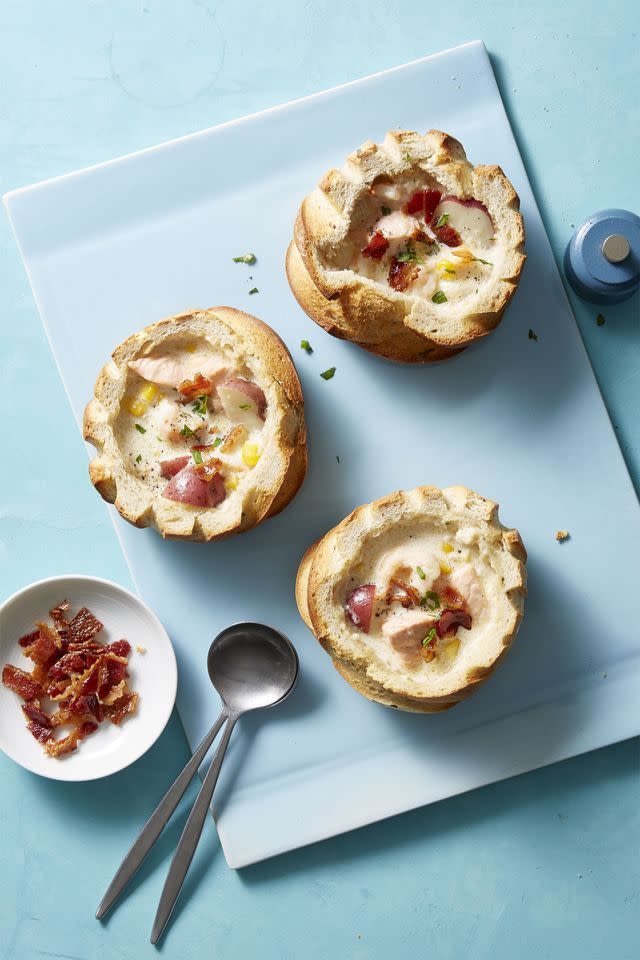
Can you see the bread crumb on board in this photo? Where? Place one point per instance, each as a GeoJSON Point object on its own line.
{"type": "Point", "coordinates": [562, 535]}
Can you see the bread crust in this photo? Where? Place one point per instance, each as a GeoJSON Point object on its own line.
{"type": "Point", "coordinates": [286, 457]}
{"type": "Point", "coordinates": [395, 325]}
{"type": "Point", "coordinates": [323, 564]}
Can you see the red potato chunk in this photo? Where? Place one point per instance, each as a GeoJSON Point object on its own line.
{"type": "Point", "coordinates": [243, 401]}
{"type": "Point", "coordinates": [187, 487]}
{"type": "Point", "coordinates": [359, 606]}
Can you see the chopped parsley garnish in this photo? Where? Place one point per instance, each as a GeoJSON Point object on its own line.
{"type": "Point", "coordinates": [199, 406]}
{"type": "Point", "coordinates": [487, 263]}
{"type": "Point", "coordinates": [439, 297]}
{"type": "Point", "coordinates": [600, 320]}
{"type": "Point", "coordinates": [431, 637]}
{"type": "Point", "coordinates": [245, 406]}
{"type": "Point", "coordinates": [328, 374]}
{"type": "Point", "coordinates": [409, 256]}
{"type": "Point", "coordinates": [450, 270]}
{"type": "Point", "coordinates": [431, 600]}
{"type": "Point", "coordinates": [253, 290]}
{"type": "Point", "coordinates": [187, 432]}
{"type": "Point", "coordinates": [139, 458]}
{"type": "Point", "coordinates": [420, 573]}
{"type": "Point", "coordinates": [408, 158]}
{"type": "Point", "coordinates": [442, 220]}
{"type": "Point", "coordinates": [385, 210]}
{"type": "Point", "coordinates": [140, 428]}
{"type": "Point", "coordinates": [306, 346]}
{"type": "Point", "coordinates": [217, 442]}
{"type": "Point", "coordinates": [197, 456]}
{"type": "Point", "coordinates": [249, 258]}
{"type": "Point", "coordinates": [532, 334]}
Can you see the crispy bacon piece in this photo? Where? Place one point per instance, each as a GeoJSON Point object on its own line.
{"type": "Point", "coordinates": [198, 387]}
{"type": "Point", "coordinates": [449, 597]}
{"type": "Point", "coordinates": [415, 204]}
{"type": "Point", "coordinates": [450, 620]}
{"type": "Point", "coordinates": [431, 200]}
{"type": "Point", "coordinates": [86, 680]}
{"type": "Point", "coordinates": [84, 626]}
{"type": "Point", "coordinates": [446, 234]}
{"type": "Point", "coordinates": [20, 682]}
{"type": "Point", "coordinates": [377, 246]}
{"type": "Point", "coordinates": [403, 593]}
{"type": "Point", "coordinates": [402, 273]}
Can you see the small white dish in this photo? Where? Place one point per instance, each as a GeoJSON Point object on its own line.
{"type": "Point", "coordinates": [154, 676]}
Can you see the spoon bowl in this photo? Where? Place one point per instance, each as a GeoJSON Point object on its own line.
{"type": "Point", "coordinates": [252, 666]}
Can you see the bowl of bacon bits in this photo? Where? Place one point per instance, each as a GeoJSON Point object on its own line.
{"type": "Point", "coordinates": [89, 678]}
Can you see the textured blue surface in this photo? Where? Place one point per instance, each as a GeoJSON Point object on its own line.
{"type": "Point", "coordinates": [546, 864]}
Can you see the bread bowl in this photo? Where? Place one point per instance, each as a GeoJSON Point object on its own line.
{"type": "Point", "coordinates": [198, 425]}
{"type": "Point", "coordinates": [408, 250]}
{"type": "Point", "coordinates": [417, 596]}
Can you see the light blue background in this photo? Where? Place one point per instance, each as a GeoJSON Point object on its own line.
{"type": "Point", "coordinates": [544, 865]}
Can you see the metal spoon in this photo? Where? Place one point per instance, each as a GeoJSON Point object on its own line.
{"type": "Point", "coordinates": [251, 666]}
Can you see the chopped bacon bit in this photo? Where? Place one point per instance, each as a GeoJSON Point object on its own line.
{"type": "Point", "coordinates": [446, 235]}
{"type": "Point", "coordinates": [450, 620]}
{"type": "Point", "coordinates": [431, 200]}
{"type": "Point", "coordinates": [403, 593]}
{"type": "Point", "coordinates": [421, 237]}
{"type": "Point", "coordinates": [41, 732]}
{"type": "Point", "coordinates": [402, 273]}
{"type": "Point", "coordinates": [451, 599]}
{"type": "Point", "coordinates": [29, 638]}
{"type": "Point", "coordinates": [377, 246]}
{"type": "Point", "coordinates": [84, 626]}
{"type": "Point", "coordinates": [208, 469]}
{"type": "Point", "coordinates": [33, 712]}
{"type": "Point", "coordinates": [121, 648]}
{"type": "Point", "coordinates": [86, 679]}
{"type": "Point", "coordinates": [20, 682]}
{"type": "Point", "coordinates": [415, 204]}
{"type": "Point", "coordinates": [198, 387]}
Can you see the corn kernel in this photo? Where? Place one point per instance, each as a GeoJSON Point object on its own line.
{"type": "Point", "coordinates": [446, 266]}
{"type": "Point", "coordinates": [452, 648]}
{"type": "Point", "coordinates": [447, 548]}
{"type": "Point", "coordinates": [190, 348]}
{"type": "Point", "coordinates": [250, 454]}
{"type": "Point", "coordinates": [146, 395]}
{"type": "Point", "coordinates": [444, 567]}
{"type": "Point", "coordinates": [231, 483]}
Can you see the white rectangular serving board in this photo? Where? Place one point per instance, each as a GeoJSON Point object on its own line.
{"type": "Point", "coordinates": [118, 246]}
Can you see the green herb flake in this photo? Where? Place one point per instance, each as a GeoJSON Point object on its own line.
{"type": "Point", "coordinates": [328, 374]}
{"type": "Point", "coordinates": [197, 456]}
{"type": "Point", "coordinates": [487, 263]}
{"type": "Point", "coordinates": [306, 346]}
{"type": "Point", "coordinates": [245, 406]}
{"type": "Point", "coordinates": [421, 573]}
{"type": "Point", "coordinates": [442, 220]}
{"type": "Point", "coordinates": [532, 334]}
{"type": "Point", "coordinates": [140, 428]}
{"type": "Point", "coordinates": [385, 210]}
{"type": "Point", "coordinates": [431, 637]}
{"type": "Point", "coordinates": [217, 442]}
{"type": "Point", "coordinates": [199, 406]}
{"type": "Point", "coordinates": [249, 258]}
{"type": "Point", "coordinates": [409, 256]}
{"type": "Point", "coordinates": [253, 290]}
{"type": "Point", "coordinates": [431, 600]}
{"type": "Point", "coordinates": [408, 158]}
{"type": "Point", "coordinates": [139, 458]}
{"type": "Point", "coordinates": [600, 320]}
{"type": "Point", "coordinates": [187, 432]}
{"type": "Point", "coordinates": [439, 297]}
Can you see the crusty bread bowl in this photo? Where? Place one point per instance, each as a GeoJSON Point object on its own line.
{"type": "Point", "coordinates": [198, 423]}
{"type": "Point", "coordinates": [416, 597]}
{"type": "Point", "coordinates": [408, 250]}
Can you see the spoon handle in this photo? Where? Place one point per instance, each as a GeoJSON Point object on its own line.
{"type": "Point", "coordinates": [190, 836]}
{"type": "Point", "coordinates": [158, 820]}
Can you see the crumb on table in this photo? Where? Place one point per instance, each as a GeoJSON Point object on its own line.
{"type": "Point", "coordinates": [562, 535]}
